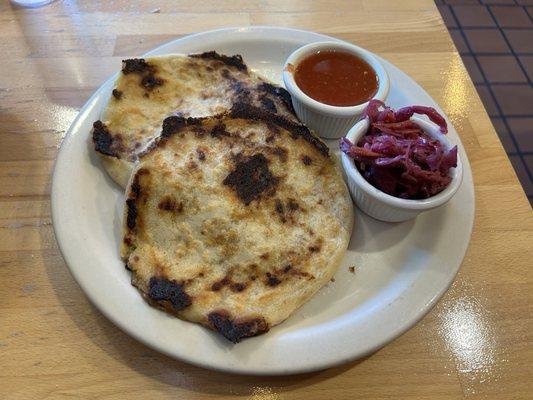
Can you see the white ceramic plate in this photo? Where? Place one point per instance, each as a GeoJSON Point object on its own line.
{"type": "Point", "coordinates": [401, 269]}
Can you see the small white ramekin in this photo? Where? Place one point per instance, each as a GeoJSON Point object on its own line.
{"type": "Point", "coordinates": [329, 121]}
{"type": "Point", "coordinates": [383, 206]}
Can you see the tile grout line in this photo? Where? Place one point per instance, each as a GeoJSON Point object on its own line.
{"type": "Point", "coordinates": [492, 28]}
{"type": "Point", "coordinates": [504, 119]}
{"type": "Point", "coordinates": [527, 12]}
{"type": "Point", "coordinates": [509, 44]}
{"type": "Point", "coordinates": [486, 84]}
{"type": "Point", "coordinates": [516, 116]}
{"type": "Point", "coordinates": [514, 83]}
{"type": "Point", "coordinates": [494, 54]}
{"type": "Point", "coordinates": [498, 107]}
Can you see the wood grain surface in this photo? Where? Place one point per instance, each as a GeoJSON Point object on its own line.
{"type": "Point", "coordinates": [476, 343]}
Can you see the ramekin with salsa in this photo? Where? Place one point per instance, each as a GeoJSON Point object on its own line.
{"type": "Point", "coordinates": [331, 84]}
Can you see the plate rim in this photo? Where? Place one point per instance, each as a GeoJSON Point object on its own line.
{"type": "Point", "coordinates": [313, 366]}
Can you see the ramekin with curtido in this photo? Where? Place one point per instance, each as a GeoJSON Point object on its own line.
{"type": "Point", "coordinates": [397, 165]}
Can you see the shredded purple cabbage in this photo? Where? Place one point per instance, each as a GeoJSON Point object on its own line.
{"type": "Point", "coordinates": [397, 156]}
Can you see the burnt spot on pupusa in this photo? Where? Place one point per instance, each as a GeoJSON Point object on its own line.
{"type": "Point", "coordinates": [131, 219]}
{"type": "Point", "coordinates": [292, 205]}
{"type": "Point", "coordinates": [105, 142]}
{"type": "Point", "coordinates": [287, 210]}
{"type": "Point", "coordinates": [316, 247]}
{"type": "Point", "coordinates": [135, 65]}
{"type": "Point", "coordinates": [127, 241]}
{"type": "Point", "coordinates": [149, 82]}
{"type": "Point", "coordinates": [252, 179]}
{"type": "Point", "coordinates": [133, 197]}
{"type": "Point", "coordinates": [175, 123]}
{"type": "Point", "coordinates": [219, 130]}
{"type": "Point", "coordinates": [307, 160]}
{"type": "Point", "coordinates": [168, 293]}
{"type": "Point", "coordinates": [147, 72]}
{"type": "Point", "coordinates": [296, 272]}
{"type": "Point", "coordinates": [296, 130]}
{"type": "Point", "coordinates": [280, 210]}
{"type": "Point", "coordinates": [236, 329]}
{"type": "Point", "coordinates": [287, 271]}
{"type": "Point", "coordinates": [268, 104]}
{"type": "Point", "coordinates": [235, 287]}
{"type": "Point", "coordinates": [168, 203]}
{"type": "Point", "coordinates": [215, 287]}
{"type": "Point", "coordinates": [117, 94]}
{"type": "Point", "coordinates": [231, 61]}
{"type": "Point", "coordinates": [279, 92]}
{"type": "Point", "coordinates": [131, 203]}
{"type": "Point", "coordinates": [201, 154]}
{"type": "Point", "coordinates": [272, 280]}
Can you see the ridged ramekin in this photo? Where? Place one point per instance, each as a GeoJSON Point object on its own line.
{"type": "Point", "coordinates": [329, 121]}
{"type": "Point", "coordinates": [383, 206]}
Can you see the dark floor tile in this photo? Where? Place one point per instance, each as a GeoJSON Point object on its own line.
{"type": "Point", "coordinates": [522, 129]}
{"type": "Point", "coordinates": [521, 40]}
{"type": "Point", "coordinates": [504, 135]}
{"type": "Point", "coordinates": [439, 2]}
{"type": "Point", "coordinates": [511, 17]}
{"type": "Point", "coordinates": [459, 41]}
{"type": "Point", "coordinates": [493, 2]}
{"type": "Point", "coordinates": [487, 100]}
{"type": "Point", "coordinates": [447, 16]}
{"type": "Point", "coordinates": [501, 69]}
{"type": "Point", "coordinates": [473, 16]}
{"type": "Point", "coordinates": [527, 62]}
{"type": "Point", "coordinates": [461, 2]}
{"type": "Point", "coordinates": [514, 99]}
{"type": "Point", "coordinates": [486, 40]}
{"type": "Point", "coordinates": [521, 172]}
{"type": "Point", "coordinates": [473, 69]}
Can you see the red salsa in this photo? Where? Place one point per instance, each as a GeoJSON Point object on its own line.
{"type": "Point", "coordinates": [336, 78]}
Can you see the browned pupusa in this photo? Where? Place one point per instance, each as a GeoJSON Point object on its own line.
{"type": "Point", "coordinates": [150, 89]}
{"type": "Point", "coordinates": [235, 221]}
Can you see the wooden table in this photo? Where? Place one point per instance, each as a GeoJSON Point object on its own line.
{"type": "Point", "coordinates": [476, 343]}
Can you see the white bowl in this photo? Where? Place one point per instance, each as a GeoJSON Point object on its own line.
{"type": "Point", "coordinates": [383, 206]}
{"type": "Point", "coordinates": [326, 120]}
